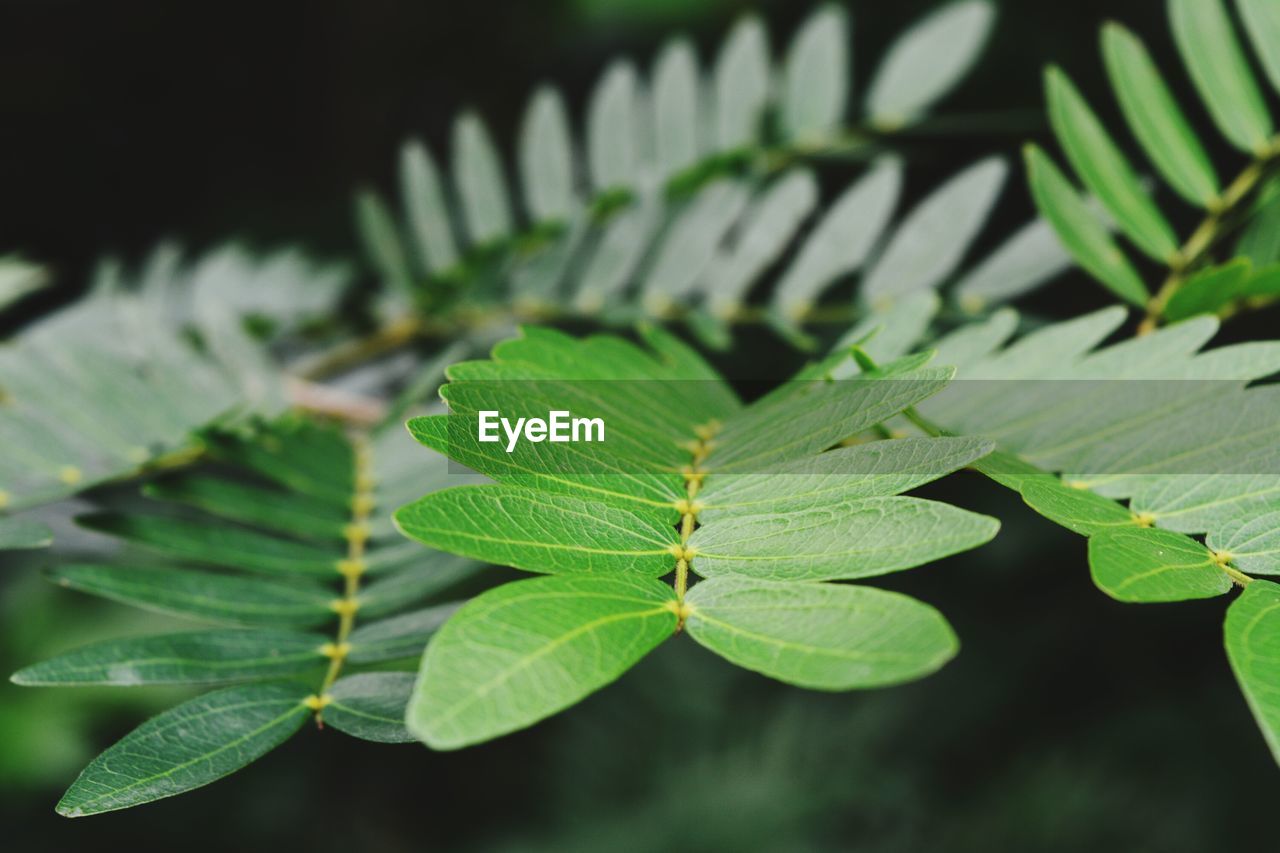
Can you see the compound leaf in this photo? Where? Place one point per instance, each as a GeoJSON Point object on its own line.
{"type": "Point", "coordinates": [611, 128]}
{"type": "Point", "coordinates": [816, 76]}
{"type": "Point", "coordinates": [187, 747]}
{"type": "Point", "coordinates": [426, 210]}
{"type": "Point", "coordinates": [478, 177]}
{"type": "Point", "coordinates": [1080, 510]}
{"type": "Point", "coordinates": [556, 534]}
{"type": "Point", "coordinates": [1156, 119]}
{"type": "Point", "coordinates": [1220, 71]}
{"type": "Point", "coordinates": [371, 706]}
{"type": "Point", "coordinates": [1145, 564]}
{"type": "Point", "coordinates": [1252, 632]}
{"type": "Point", "coordinates": [676, 116]}
{"type": "Point", "coordinates": [927, 61]}
{"type": "Point", "coordinates": [217, 545]}
{"type": "Point", "coordinates": [204, 595]}
{"type": "Point", "coordinates": [1251, 543]}
{"type": "Point", "coordinates": [546, 157]}
{"type": "Point", "coordinates": [821, 636]}
{"type": "Point", "coordinates": [198, 657]}
{"type": "Point", "coordinates": [932, 240]}
{"type": "Point", "coordinates": [842, 240]}
{"type": "Point", "coordinates": [838, 540]}
{"type": "Point", "coordinates": [1262, 23]}
{"type": "Point", "coordinates": [1104, 170]}
{"type": "Point", "coordinates": [399, 636]}
{"type": "Point", "coordinates": [521, 652]}
{"type": "Point", "coordinates": [1079, 229]}
{"type": "Point", "coordinates": [740, 82]}
{"type": "Point", "coordinates": [875, 469]}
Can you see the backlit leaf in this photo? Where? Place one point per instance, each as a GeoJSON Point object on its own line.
{"type": "Point", "coordinates": [1080, 230]}
{"type": "Point", "coordinates": [523, 651]}
{"type": "Point", "coordinates": [821, 636]}
{"type": "Point", "coordinates": [1154, 565]}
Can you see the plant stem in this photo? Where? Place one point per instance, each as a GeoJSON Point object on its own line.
{"type": "Point", "coordinates": [693, 477]}
{"type": "Point", "coordinates": [352, 569]}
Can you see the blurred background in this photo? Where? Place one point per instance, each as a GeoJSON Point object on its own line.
{"type": "Point", "coordinates": [1068, 722]}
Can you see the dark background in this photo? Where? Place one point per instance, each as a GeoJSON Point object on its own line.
{"type": "Point", "coordinates": [1068, 722]}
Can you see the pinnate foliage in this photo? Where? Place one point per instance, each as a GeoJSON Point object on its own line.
{"type": "Point", "coordinates": [1161, 453]}
{"type": "Point", "coordinates": [114, 384]}
{"type": "Point", "coordinates": [687, 187]}
{"type": "Point", "coordinates": [750, 497]}
{"type": "Point", "coordinates": [286, 541]}
{"type": "Point", "coordinates": [1199, 276]}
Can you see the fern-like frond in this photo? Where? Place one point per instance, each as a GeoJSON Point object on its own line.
{"type": "Point", "coordinates": [288, 538]}
{"type": "Point", "coordinates": [1162, 453]}
{"type": "Point", "coordinates": [1216, 62]}
{"type": "Point", "coordinates": [743, 496]}
{"type": "Point", "coordinates": [685, 191]}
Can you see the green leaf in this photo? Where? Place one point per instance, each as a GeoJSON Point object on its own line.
{"type": "Point", "coordinates": [217, 545]}
{"type": "Point", "coordinates": [188, 747]}
{"type": "Point", "coordinates": [1145, 564]}
{"type": "Point", "coordinates": [398, 637]}
{"type": "Point", "coordinates": [290, 513]}
{"type": "Point", "coordinates": [618, 251]}
{"type": "Point", "coordinates": [766, 230]}
{"type": "Point", "coordinates": [815, 417]}
{"type": "Point", "coordinates": [676, 115]}
{"type": "Point", "coordinates": [1251, 543]}
{"type": "Point", "coordinates": [550, 533]}
{"type": "Point", "coordinates": [197, 657]}
{"type": "Point", "coordinates": [612, 130]}
{"type": "Point", "coordinates": [842, 240]}
{"type": "Point", "coordinates": [428, 577]}
{"type": "Point", "coordinates": [477, 174]}
{"type": "Point", "coordinates": [1220, 71]}
{"type": "Point", "coordinates": [382, 242]}
{"type": "Point", "coordinates": [866, 470]}
{"type": "Point", "coordinates": [689, 244]}
{"type": "Point", "coordinates": [1080, 510]}
{"type": "Point", "coordinates": [546, 157]}
{"type": "Point", "coordinates": [300, 454]}
{"type": "Point", "coordinates": [1105, 171]}
{"type": "Point", "coordinates": [524, 651]}
{"type": "Point", "coordinates": [371, 706]}
{"type": "Point", "coordinates": [1209, 290]}
{"type": "Point", "coordinates": [543, 466]}
{"type": "Point", "coordinates": [740, 83]}
{"type": "Point", "coordinates": [1030, 257]}
{"type": "Point", "coordinates": [426, 210]}
{"type": "Point", "coordinates": [928, 61]}
{"type": "Point", "coordinates": [1260, 237]}
{"type": "Point", "coordinates": [946, 222]}
{"type": "Point", "coordinates": [837, 540]}
{"type": "Point", "coordinates": [816, 76]}
{"type": "Point", "coordinates": [21, 534]}
{"type": "Point", "coordinates": [1252, 633]}
{"type": "Point", "coordinates": [821, 636]}
{"type": "Point", "coordinates": [219, 598]}
{"type": "Point", "coordinates": [1262, 23]}
{"type": "Point", "coordinates": [1080, 230]}
{"type": "Point", "coordinates": [1155, 118]}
